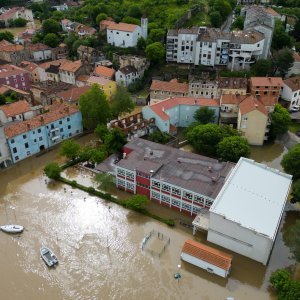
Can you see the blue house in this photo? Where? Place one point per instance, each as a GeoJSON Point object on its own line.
{"type": "Point", "coordinates": [41, 132]}
{"type": "Point", "coordinates": [172, 113]}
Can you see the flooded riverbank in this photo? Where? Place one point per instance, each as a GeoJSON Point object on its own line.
{"type": "Point", "coordinates": [99, 247]}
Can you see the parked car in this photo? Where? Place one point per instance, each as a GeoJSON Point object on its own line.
{"type": "Point", "coordinates": [298, 133]}
{"type": "Point", "coordinates": [295, 108]}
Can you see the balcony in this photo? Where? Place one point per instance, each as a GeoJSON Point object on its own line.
{"type": "Point", "coordinates": [54, 129]}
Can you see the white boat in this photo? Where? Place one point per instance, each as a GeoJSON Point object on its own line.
{"type": "Point", "coordinates": [48, 256]}
{"type": "Point", "coordinates": [12, 228]}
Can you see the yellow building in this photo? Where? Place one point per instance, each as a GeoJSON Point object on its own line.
{"type": "Point", "coordinates": [109, 87]}
{"type": "Point", "coordinates": [232, 85]}
{"type": "Point", "coordinates": [253, 121]}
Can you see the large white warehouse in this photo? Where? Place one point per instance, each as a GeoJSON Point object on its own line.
{"type": "Point", "coordinates": [246, 214]}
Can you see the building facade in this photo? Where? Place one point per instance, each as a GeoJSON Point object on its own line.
{"type": "Point", "coordinates": [266, 86]}
{"type": "Point", "coordinates": [291, 91]}
{"type": "Point", "coordinates": [127, 75]}
{"type": "Point", "coordinates": [15, 77]}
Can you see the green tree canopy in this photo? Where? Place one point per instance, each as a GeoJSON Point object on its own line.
{"type": "Point", "coordinates": [205, 115]}
{"type": "Point", "coordinates": [280, 38]}
{"type": "Point", "coordinates": [238, 23]}
{"type": "Point", "coordinates": [223, 7]}
{"type": "Point", "coordinates": [159, 137]}
{"type": "Point", "coordinates": [282, 61]}
{"type": "Point", "coordinates": [102, 131]}
{"type": "Point", "coordinates": [156, 35]}
{"type": "Point", "coordinates": [292, 239]}
{"type": "Point", "coordinates": [280, 120]}
{"type": "Point", "coordinates": [291, 161]}
{"type": "Point", "coordinates": [100, 17]}
{"type": "Point", "coordinates": [20, 22]}
{"type": "Point", "coordinates": [51, 26]}
{"type": "Point", "coordinates": [115, 140]}
{"type": "Point", "coordinates": [52, 170]}
{"type": "Point", "coordinates": [232, 148]}
{"type": "Point", "coordinates": [263, 67]}
{"type": "Point", "coordinates": [216, 19]}
{"type": "Point", "coordinates": [70, 149]}
{"type": "Point", "coordinates": [94, 107]}
{"type": "Point", "coordinates": [121, 102]}
{"type": "Point", "coordinates": [137, 202]}
{"type": "Point", "coordinates": [141, 43]}
{"type": "Point", "coordinates": [296, 191]}
{"type": "Point", "coordinates": [155, 52]}
{"type": "Point", "coordinates": [98, 155]}
{"type": "Point", "coordinates": [105, 181]}
{"type": "Point", "coordinates": [6, 35]}
{"type": "Point", "coordinates": [51, 40]}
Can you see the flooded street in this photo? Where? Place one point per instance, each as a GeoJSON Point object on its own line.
{"type": "Point", "coordinates": [99, 247]}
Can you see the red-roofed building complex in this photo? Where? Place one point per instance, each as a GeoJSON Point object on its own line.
{"type": "Point", "coordinates": [270, 86]}
{"type": "Point", "coordinates": [205, 257]}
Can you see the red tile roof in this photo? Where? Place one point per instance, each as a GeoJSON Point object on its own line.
{"type": "Point", "coordinates": [28, 65]}
{"type": "Point", "coordinates": [70, 66]}
{"type": "Point", "coordinates": [47, 64]}
{"type": "Point", "coordinates": [5, 88]}
{"type": "Point", "coordinates": [213, 256]}
{"type": "Point", "coordinates": [37, 47]}
{"type": "Point", "coordinates": [73, 94]}
{"type": "Point", "coordinates": [56, 112]}
{"type": "Point", "coordinates": [9, 13]}
{"type": "Point", "coordinates": [98, 80]}
{"type": "Point", "coordinates": [10, 70]}
{"type": "Point", "coordinates": [15, 108]}
{"type": "Point", "coordinates": [232, 99]}
{"type": "Point", "coordinates": [11, 48]}
{"type": "Point", "coordinates": [266, 81]}
{"type": "Point", "coordinates": [267, 100]}
{"type": "Point", "coordinates": [272, 12]}
{"type": "Point", "coordinates": [250, 104]}
{"type": "Point", "coordinates": [293, 83]}
{"type": "Point", "coordinates": [161, 107]}
{"type": "Point", "coordinates": [111, 25]}
{"type": "Point", "coordinates": [169, 86]}
{"type": "Point", "coordinates": [104, 71]}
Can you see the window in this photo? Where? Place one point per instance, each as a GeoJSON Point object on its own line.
{"type": "Point", "coordinates": [69, 126]}
{"type": "Point", "coordinates": [120, 182]}
{"type": "Point", "coordinates": [68, 119]}
{"type": "Point", "coordinates": [22, 78]}
{"type": "Point", "coordinates": [12, 141]}
{"type": "Point", "coordinates": [61, 130]}
{"type": "Point", "coordinates": [15, 150]}
{"type": "Point", "coordinates": [199, 199]}
{"type": "Point", "coordinates": [39, 130]}
{"type": "Point", "coordinates": [187, 195]}
{"type": "Point", "coordinates": [245, 118]}
{"type": "Point", "coordinates": [17, 158]}
{"type": "Point", "coordinates": [155, 195]}
{"type": "Point", "coordinates": [40, 138]}
{"type": "Point", "coordinates": [176, 191]}
{"type": "Point", "coordinates": [130, 175]}
{"type": "Point", "coordinates": [28, 153]}
{"type": "Point", "coordinates": [165, 198]}
{"type": "Point", "coordinates": [26, 145]}
{"type": "Point", "coordinates": [60, 122]}
{"type": "Point", "coordinates": [117, 32]}
{"type": "Point", "coordinates": [155, 184]}
{"type": "Point", "coordinates": [130, 185]}
{"type": "Point", "coordinates": [121, 172]}
{"type": "Point", "coordinates": [34, 140]}
{"type": "Point", "coordinates": [176, 203]}
{"type": "Point", "coordinates": [24, 136]}
{"type": "Point", "coordinates": [127, 34]}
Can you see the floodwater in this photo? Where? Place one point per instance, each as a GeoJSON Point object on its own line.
{"type": "Point", "coordinates": [17, 30]}
{"type": "Point", "coordinates": [99, 247]}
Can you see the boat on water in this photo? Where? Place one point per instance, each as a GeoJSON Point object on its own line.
{"type": "Point", "coordinates": [12, 228]}
{"type": "Point", "coordinates": [48, 256]}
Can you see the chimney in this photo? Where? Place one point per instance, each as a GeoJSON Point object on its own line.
{"type": "Point", "coordinates": [28, 126]}
{"type": "Point", "coordinates": [42, 119]}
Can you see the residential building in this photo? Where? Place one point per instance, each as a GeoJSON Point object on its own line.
{"type": "Point", "coordinates": [35, 72]}
{"type": "Point", "coordinates": [291, 91]}
{"type": "Point", "coordinates": [171, 177]}
{"type": "Point", "coordinates": [101, 71]}
{"type": "Point", "coordinates": [72, 95]}
{"type": "Point", "coordinates": [89, 54]}
{"type": "Point", "coordinates": [204, 88]}
{"type": "Point", "coordinates": [15, 77]}
{"type": "Point", "coordinates": [85, 31]}
{"type": "Point", "coordinates": [178, 112]}
{"type": "Point", "coordinates": [60, 52]}
{"type": "Point", "coordinates": [212, 47]}
{"type": "Point", "coordinates": [127, 75]}
{"type": "Point", "coordinates": [245, 216]}
{"type": "Point", "coordinates": [140, 63]}
{"type": "Point", "coordinates": [69, 70]}
{"type": "Point", "coordinates": [82, 80]}
{"type": "Point", "coordinates": [49, 71]}
{"type": "Point", "coordinates": [161, 90]}
{"type": "Point", "coordinates": [6, 90]}
{"type": "Point", "coordinates": [38, 52]}
{"type": "Point", "coordinates": [15, 13]}
{"type": "Point", "coordinates": [212, 260]}
{"type": "Point", "coordinates": [109, 87]}
{"type": "Point", "coordinates": [25, 36]}
{"type": "Point", "coordinates": [41, 132]}
{"type": "Point", "coordinates": [271, 86]}
{"type": "Point", "coordinates": [12, 53]}
{"type": "Point", "coordinates": [232, 85]}
{"type": "Point", "coordinates": [124, 35]}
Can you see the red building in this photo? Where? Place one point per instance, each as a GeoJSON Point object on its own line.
{"type": "Point", "coordinates": [181, 180]}
{"type": "Point", "coordinates": [15, 77]}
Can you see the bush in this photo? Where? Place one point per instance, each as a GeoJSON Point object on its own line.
{"type": "Point", "coordinates": [91, 190]}
{"type": "Point", "coordinates": [53, 170]}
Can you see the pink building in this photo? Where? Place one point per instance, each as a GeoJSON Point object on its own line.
{"type": "Point", "coordinates": [15, 77]}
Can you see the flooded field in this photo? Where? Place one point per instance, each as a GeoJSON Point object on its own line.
{"type": "Point", "coordinates": [99, 246]}
{"type": "Point", "coordinates": [17, 30]}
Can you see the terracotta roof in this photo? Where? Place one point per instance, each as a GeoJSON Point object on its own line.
{"type": "Point", "coordinates": [58, 112]}
{"type": "Point", "coordinates": [11, 48]}
{"type": "Point", "coordinates": [98, 80]}
{"type": "Point", "coordinates": [28, 65]}
{"type": "Point", "coordinates": [169, 86]}
{"type": "Point", "coordinates": [65, 21]}
{"type": "Point", "coordinates": [121, 26]}
{"type": "Point", "coordinates": [5, 88]}
{"type": "Point", "coordinates": [267, 100]}
{"type": "Point", "coordinates": [272, 12]}
{"type": "Point", "coordinates": [70, 66]}
{"type": "Point", "coordinates": [266, 81]}
{"type": "Point", "coordinates": [9, 13]}
{"type": "Point", "coordinates": [213, 256]}
{"type": "Point", "coordinates": [37, 47]}
{"type": "Point", "coordinates": [83, 78]}
{"type": "Point", "coordinates": [47, 64]}
{"type": "Point", "coordinates": [232, 99]}
{"type": "Point", "coordinates": [10, 70]}
{"type": "Point", "coordinates": [128, 70]}
{"type": "Point", "coordinates": [5, 43]}
{"type": "Point", "coordinates": [106, 23]}
{"type": "Point", "coordinates": [250, 104]}
{"type": "Point", "coordinates": [15, 108]}
{"type": "Point", "coordinates": [293, 83]}
{"type": "Point", "coordinates": [87, 29]}
{"type": "Point", "coordinates": [104, 71]}
{"type": "Point", "coordinates": [73, 94]}
{"type": "Point", "coordinates": [161, 107]}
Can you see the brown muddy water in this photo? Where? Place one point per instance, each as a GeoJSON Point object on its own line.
{"type": "Point", "coordinates": [99, 247]}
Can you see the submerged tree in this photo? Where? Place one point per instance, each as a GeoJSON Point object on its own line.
{"type": "Point", "coordinates": [53, 170]}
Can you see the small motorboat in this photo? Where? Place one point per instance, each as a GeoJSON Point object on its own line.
{"type": "Point", "coordinates": [48, 256]}
{"type": "Point", "coordinates": [12, 228]}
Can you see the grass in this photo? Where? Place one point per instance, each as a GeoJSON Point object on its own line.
{"type": "Point", "coordinates": [294, 127]}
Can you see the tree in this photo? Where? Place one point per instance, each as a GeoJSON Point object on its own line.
{"type": "Point", "coordinates": [115, 140]}
{"type": "Point", "coordinates": [101, 17]}
{"type": "Point", "coordinates": [282, 61]}
{"type": "Point", "coordinates": [263, 67]}
{"type": "Point", "coordinates": [20, 22]}
{"type": "Point", "coordinates": [216, 19]}
{"type": "Point", "coordinates": [156, 35]}
{"type": "Point", "coordinates": [94, 107]}
{"type": "Point", "coordinates": [205, 115]}
{"type": "Point", "coordinates": [280, 38]}
{"type": "Point", "coordinates": [98, 155]}
{"type": "Point", "coordinates": [141, 43]}
{"type": "Point", "coordinates": [292, 239]}
{"type": "Point", "coordinates": [137, 202]}
{"type": "Point", "coordinates": [50, 26]}
{"type": "Point", "coordinates": [232, 148]}
{"type": "Point", "coordinates": [2, 99]}
{"type": "Point", "coordinates": [51, 40]}
{"type": "Point", "coordinates": [105, 180]}
{"type": "Point", "coordinates": [296, 191]}
{"type": "Point", "coordinates": [205, 138]}
{"type": "Point", "coordinates": [52, 170]}
{"type": "Point", "coordinates": [159, 137]}
{"type": "Point", "coordinates": [291, 161]}
{"type": "Point", "coordinates": [70, 149]}
{"type": "Point", "coordinates": [101, 131]}
{"type": "Point", "coordinates": [121, 102]}
{"type": "Point", "coordinates": [280, 120]}
{"type": "Point", "coordinates": [6, 35]}
{"type": "Point", "coordinates": [223, 7]}
{"type": "Point", "coordinates": [134, 11]}
{"type": "Point", "coordinates": [155, 52]}
{"type": "Point", "coordinates": [131, 20]}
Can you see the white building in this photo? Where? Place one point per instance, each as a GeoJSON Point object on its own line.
{"type": "Point", "coordinates": [212, 47]}
{"type": "Point", "coordinates": [246, 214]}
{"type": "Point", "coordinates": [291, 91]}
{"type": "Point", "coordinates": [125, 35]}
{"type": "Point", "coordinates": [15, 13]}
{"type": "Point", "coordinates": [207, 258]}
{"type": "Point", "coordinates": [127, 75]}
